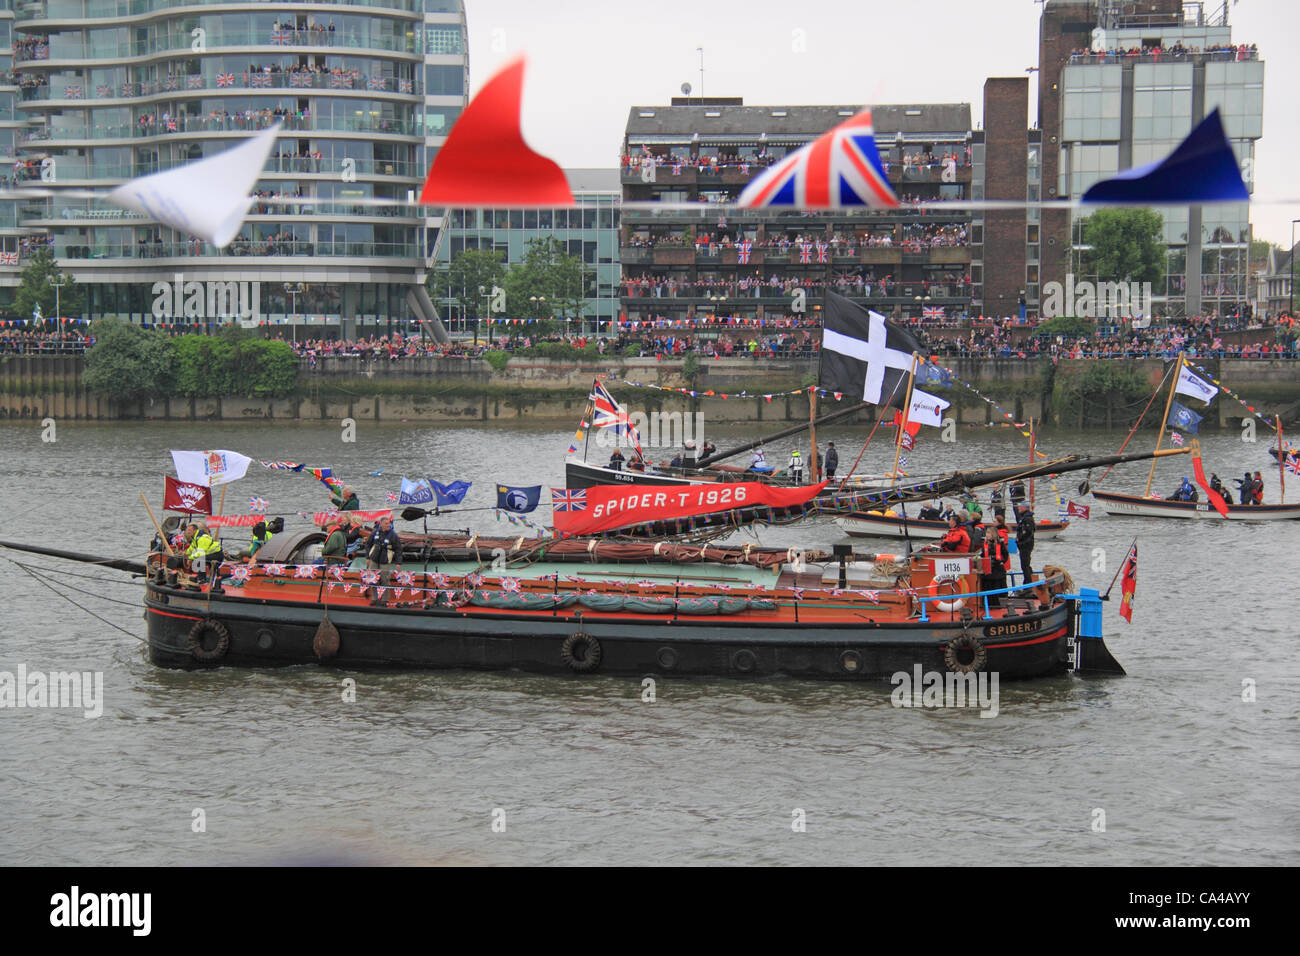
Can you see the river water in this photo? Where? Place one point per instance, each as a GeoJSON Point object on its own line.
{"type": "Point", "coordinates": [425, 767]}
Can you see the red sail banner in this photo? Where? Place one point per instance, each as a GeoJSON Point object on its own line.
{"type": "Point", "coordinates": [606, 507]}
{"type": "Point", "coordinates": [1214, 497]}
{"type": "Point", "coordinates": [187, 497]}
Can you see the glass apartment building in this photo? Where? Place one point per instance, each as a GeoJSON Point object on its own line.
{"type": "Point", "coordinates": [1149, 79]}
{"type": "Point", "coordinates": [588, 231]}
{"type": "Point", "coordinates": [106, 90]}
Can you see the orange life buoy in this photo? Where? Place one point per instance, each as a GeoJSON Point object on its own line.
{"type": "Point", "coordinates": [954, 584]}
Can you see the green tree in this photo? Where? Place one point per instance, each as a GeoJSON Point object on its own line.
{"type": "Point", "coordinates": [36, 287]}
{"type": "Point", "coordinates": [470, 270]}
{"type": "Point", "coordinates": [546, 283]}
{"type": "Point", "coordinates": [128, 363]}
{"type": "Point", "coordinates": [1126, 245]}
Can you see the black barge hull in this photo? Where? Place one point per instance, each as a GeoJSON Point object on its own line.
{"type": "Point", "coordinates": [271, 633]}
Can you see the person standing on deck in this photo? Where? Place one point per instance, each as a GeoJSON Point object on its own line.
{"type": "Point", "coordinates": [832, 460]}
{"type": "Point", "coordinates": [1025, 538]}
{"type": "Point", "coordinates": [796, 467]}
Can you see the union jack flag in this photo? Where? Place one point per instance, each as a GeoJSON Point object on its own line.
{"type": "Point", "coordinates": [300, 79]}
{"type": "Point", "coordinates": [305, 571]}
{"type": "Point", "coordinates": [569, 499]}
{"type": "Point", "coordinates": [744, 249]}
{"type": "Point", "coordinates": [377, 83]}
{"type": "Point", "coordinates": [262, 80]}
{"type": "Point", "coordinates": [129, 89]}
{"type": "Point", "coordinates": [73, 92]}
{"type": "Point", "coordinates": [9, 258]}
{"type": "Point", "coordinates": [337, 571]}
{"type": "Point", "coordinates": [257, 505]}
{"type": "Point", "coordinates": [194, 82]}
{"type": "Point", "coordinates": [405, 86]}
{"type": "Point", "coordinates": [240, 573]}
{"type": "Point", "coordinates": [805, 252]}
{"type": "Point", "coordinates": [103, 90]}
{"type": "Point", "coordinates": [404, 577]}
{"type": "Point", "coordinates": [370, 577]}
{"type": "Point", "coordinates": [510, 585]}
{"type": "Point", "coordinates": [677, 169]}
{"type": "Point", "coordinates": [744, 169]}
{"type": "Point", "coordinates": [439, 580]}
{"type": "Point", "coordinates": [171, 126]}
{"type": "Point", "coordinates": [281, 37]}
{"type": "Point", "coordinates": [274, 570]}
{"type": "Point", "coordinates": [393, 497]}
{"type": "Point", "coordinates": [609, 415]}
{"type": "Point", "coordinates": [932, 312]}
{"type": "Point", "coordinates": [225, 79]}
{"type": "Point", "coordinates": [280, 465]}
{"type": "Point", "coordinates": [1176, 438]}
{"type": "Point", "coordinates": [473, 579]}
{"type": "Point", "coordinates": [340, 82]}
{"type": "Point", "coordinates": [821, 251]}
{"type": "Point", "coordinates": [840, 168]}
{"type": "Point", "coordinates": [1292, 462]}
{"type": "Point", "coordinates": [171, 83]}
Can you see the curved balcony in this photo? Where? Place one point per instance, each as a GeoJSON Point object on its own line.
{"type": "Point", "coordinates": [56, 212]}
{"type": "Point", "coordinates": [218, 82]}
{"type": "Point", "coordinates": [61, 51]}
{"type": "Point", "coordinates": [229, 124]}
{"type": "Point", "coordinates": [122, 9]}
{"type": "Point", "coordinates": [238, 248]}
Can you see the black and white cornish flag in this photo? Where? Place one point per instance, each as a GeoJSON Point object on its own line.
{"type": "Point", "coordinates": [864, 354]}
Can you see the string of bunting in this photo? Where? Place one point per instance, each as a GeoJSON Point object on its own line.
{"type": "Point", "coordinates": [1237, 398]}
{"type": "Point", "coordinates": [711, 393]}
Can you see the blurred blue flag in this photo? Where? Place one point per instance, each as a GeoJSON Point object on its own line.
{"type": "Point", "coordinates": [415, 492]}
{"type": "Point", "coordinates": [452, 494]}
{"type": "Point", "coordinates": [1180, 416]}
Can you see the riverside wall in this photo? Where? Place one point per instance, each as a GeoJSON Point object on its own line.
{"type": "Point", "coordinates": [453, 390]}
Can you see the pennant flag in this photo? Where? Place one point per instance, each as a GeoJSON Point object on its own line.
{"type": "Point", "coordinates": [282, 466]}
{"type": "Point", "coordinates": [839, 169]}
{"type": "Point", "coordinates": [415, 492]}
{"type": "Point", "coordinates": [1073, 510]}
{"type": "Point", "coordinates": [208, 198]}
{"type": "Point", "coordinates": [1128, 584]}
{"type": "Point", "coordinates": [926, 409]}
{"type": "Point", "coordinates": [1202, 169]}
{"type": "Point", "coordinates": [452, 494]}
{"type": "Point", "coordinates": [519, 500]}
{"type": "Point", "coordinates": [1211, 495]}
{"type": "Point", "coordinates": [485, 161]}
{"type": "Point", "coordinates": [189, 497]}
{"type": "Point", "coordinates": [210, 468]}
{"type": "Point", "coordinates": [863, 353]}
{"type": "Point", "coordinates": [1189, 383]}
{"type": "Point", "coordinates": [1180, 416]}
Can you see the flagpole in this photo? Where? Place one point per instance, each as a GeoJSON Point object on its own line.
{"type": "Point", "coordinates": [166, 544]}
{"type": "Point", "coordinates": [812, 430]}
{"type": "Point", "coordinates": [1033, 499]}
{"type": "Point", "coordinates": [1169, 403]}
{"type": "Point", "coordinates": [1281, 459]}
{"type": "Point", "coordinates": [1106, 596]}
{"type": "Point", "coordinates": [907, 409]}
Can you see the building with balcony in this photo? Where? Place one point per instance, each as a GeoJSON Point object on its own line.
{"type": "Point", "coordinates": [366, 91]}
{"type": "Point", "coordinates": [700, 267]}
{"type": "Point", "coordinates": [588, 231]}
{"type": "Point", "coordinates": [1120, 85]}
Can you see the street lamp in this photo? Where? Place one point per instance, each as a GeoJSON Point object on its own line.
{"type": "Point", "coordinates": [294, 289]}
{"type": "Point", "coordinates": [485, 293]}
{"type": "Point", "coordinates": [58, 285]}
{"type": "Point", "coordinates": [539, 305]}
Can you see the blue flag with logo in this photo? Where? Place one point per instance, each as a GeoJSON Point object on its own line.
{"type": "Point", "coordinates": [518, 500]}
{"type": "Point", "coordinates": [452, 494]}
{"type": "Point", "coordinates": [415, 492]}
{"type": "Point", "coordinates": [1180, 416]}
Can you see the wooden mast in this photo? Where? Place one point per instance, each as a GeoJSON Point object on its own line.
{"type": "Point", "coordinates": [1169, 403]}
{"type": "Point", "coordinates": [907, 408]}
{"type": "Point", "coordinates": [1033, 504]}
{"type": "Point", "coordinates": [812, 431]}
{"type": "Point", "coordinates": [1281, 459]}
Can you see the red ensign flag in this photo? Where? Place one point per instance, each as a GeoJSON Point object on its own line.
{"type": "Point", "coordinates": [1128, 586]}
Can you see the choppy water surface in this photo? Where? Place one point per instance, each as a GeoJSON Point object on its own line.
{"type": "Point", "coordinates": [585, 772]}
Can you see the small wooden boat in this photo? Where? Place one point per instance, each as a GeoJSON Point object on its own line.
{"type": "Point", "coordinates": [1151, 507]}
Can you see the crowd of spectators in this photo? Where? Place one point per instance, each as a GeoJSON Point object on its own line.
{"type": "Point", "coordinates": [1156, 53]}
{"type": "Point", "coordinates": [16, 341]}
{"type": "Point", "coordinates": [861, 283]}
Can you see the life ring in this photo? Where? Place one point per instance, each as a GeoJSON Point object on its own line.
{"type": "Point", "coordinates": [581, 652]}
{"type": "Point", "coordinates": [208, 655]}
{"type": "Point", "coordinates": [979, 656]}
{"type": "Point", "coordinates": [947, 606]}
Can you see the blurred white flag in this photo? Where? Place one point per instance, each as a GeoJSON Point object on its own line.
{"type": "Point", "coordinates": [208, 198]}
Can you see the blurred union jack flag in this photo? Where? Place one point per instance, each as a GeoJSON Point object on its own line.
{"type": "Point", "coordinates": [932, 312]}
{"type": "Point", "coordinates": [257, 505]}
{"type": "Point", "coordinates": [744, 250]}
{"type": "Point", "coordinates": [840, 168]}
{"type": "Point", "coordinates": [1176, 438]}
{"type": "Point", "coordinates": [567, 499]}
{"type": "Point", "coordinates": [609, 415]}
{"type": "Point", "coordinates": [225, 79]}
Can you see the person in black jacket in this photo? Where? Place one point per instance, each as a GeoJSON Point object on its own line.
{"type": "Point", "coordinates": [1025, 539]}
{"type": "Point", "coordinates": [832, 460]}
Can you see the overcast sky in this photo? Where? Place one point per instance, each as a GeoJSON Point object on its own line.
{"type": "Point", "coordinates": [590, 60]}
